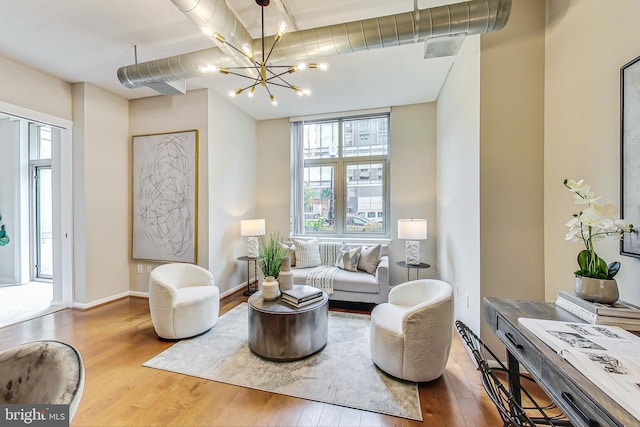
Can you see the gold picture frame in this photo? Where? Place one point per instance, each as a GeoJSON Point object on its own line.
{"type": "Point", "coordinates": [165, 196]}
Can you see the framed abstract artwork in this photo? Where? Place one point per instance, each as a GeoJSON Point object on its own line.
{"type": "Point", "coordinates": [630, 154]}
{"type": "Point", "coordinates": [165, 191]}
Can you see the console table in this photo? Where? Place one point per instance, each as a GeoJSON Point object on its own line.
{"type": "Point", "coordinates": [579, 398]}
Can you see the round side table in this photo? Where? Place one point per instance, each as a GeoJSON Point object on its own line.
{"type": "Point", "coordinates": [281, 332]}
{"type": "Point", "coordinates": [417, 267]}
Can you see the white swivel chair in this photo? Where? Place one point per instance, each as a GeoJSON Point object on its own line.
{"type": "Point", "coordinates": [411, 334]}
{"type": "Point", "coordinates": [183, 300]}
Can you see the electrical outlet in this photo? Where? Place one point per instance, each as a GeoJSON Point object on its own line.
{"type": "Point", "coordinates": [139, 268]}
{"type": "Point", "coordinates": [468, 301]}
{"type": "Point", "coordinates": [148, 269]}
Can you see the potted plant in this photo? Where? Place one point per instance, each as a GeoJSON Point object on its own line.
{"type": "Point", "coordinates": [270, 260]}
{"type": "Point", "coordinates": [4, 239]}
{"type": "Point", "coordinates": [594, 278]}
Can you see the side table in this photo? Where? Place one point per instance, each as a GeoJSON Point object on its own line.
{"type": "Point", "coordinates": [250, 290]}
{"type": "Point", "coordinates": [281, 332]}
{"type": "Point", "coordinates": [417, 267]}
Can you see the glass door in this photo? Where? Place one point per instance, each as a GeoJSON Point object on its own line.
{"type": "Point", "coordinates": [43, 265]}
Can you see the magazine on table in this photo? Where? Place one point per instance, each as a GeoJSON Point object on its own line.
{"type": "Point", "coordinates": [609, 356]}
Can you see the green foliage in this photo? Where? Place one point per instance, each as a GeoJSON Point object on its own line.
{"type": "Point", "coordinates": [4, 239]}
{"type": "Point", "coordinates": [271, 254]}
{"type": "Point", "coordinates": [591, 265]}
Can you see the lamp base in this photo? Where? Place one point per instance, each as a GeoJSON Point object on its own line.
{"type": "Point", "coordinates": [252, 247]}
{"type": "Point", "coordinates": [412, 252]}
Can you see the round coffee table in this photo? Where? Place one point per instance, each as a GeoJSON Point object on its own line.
{"type": "Point", "coordinates": [281, 332]}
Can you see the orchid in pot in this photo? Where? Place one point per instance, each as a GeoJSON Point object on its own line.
{"type": "Point", "coordinates": [594, 278]}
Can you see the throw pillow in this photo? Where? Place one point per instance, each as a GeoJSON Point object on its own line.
{"type": "Point", "coordinates": [369, 259]}
{"type": "Point", "coordinates": [307, 253]}
{"type": "Point", "coordinates": [291, 251]}
{"type": "Point", "coordinates": [348, 258]}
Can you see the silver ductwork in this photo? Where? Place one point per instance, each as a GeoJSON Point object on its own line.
{"type": "Point", "coordinates": [458, 19]}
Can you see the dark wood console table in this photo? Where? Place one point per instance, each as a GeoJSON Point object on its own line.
{"type": "Point", "coordinates": [581, 400]}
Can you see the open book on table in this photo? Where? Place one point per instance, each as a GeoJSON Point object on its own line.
{"type": "Point", "coordinates": [609, 356]}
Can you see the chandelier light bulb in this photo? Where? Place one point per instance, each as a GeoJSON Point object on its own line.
{"type": "Point", "coordinates": [251, 92]}
{"type": "Point", "coordinates": [306, 92]}
{"type": "Point", "coordinates": [323, 66]}
{"type": "Point", "coordinates": [282, 28]}
{"type": "Point", "coordinates": [246, 48]}
{"type": "Point", "coordinates": [274, 102]}
{"type": "Point", "coordinates": [206, 31]}
{"type": "Point", "coordinates": [301, 66]}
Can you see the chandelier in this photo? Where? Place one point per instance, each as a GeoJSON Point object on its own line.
{"type": "Point", "coordinates": [259, 72]}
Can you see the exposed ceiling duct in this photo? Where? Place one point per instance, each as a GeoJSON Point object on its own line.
{"type": "Point", "coordinates": [432, 24]}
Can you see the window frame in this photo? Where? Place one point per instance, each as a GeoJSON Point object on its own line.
{"type": "Point", "coordinates": [340, 164]}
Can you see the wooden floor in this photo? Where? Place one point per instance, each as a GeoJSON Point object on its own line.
{"type": "Point", "coordinates": [115, 339]}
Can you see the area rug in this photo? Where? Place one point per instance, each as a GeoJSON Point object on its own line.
{"type": "Point", "coordinates": [341, 374]}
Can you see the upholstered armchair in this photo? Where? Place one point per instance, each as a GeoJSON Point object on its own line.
{"type": "Point", "coordinates": [183, 300]}
{"type": "Point", "coordinates": [411, 334]}
{"type": "Point", "coordinates": [42, 373]}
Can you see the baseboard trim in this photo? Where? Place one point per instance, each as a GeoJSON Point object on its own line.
{"type": "Point", "coordinates": [138, 294]}
{"type": "Point", "coordinates": [233, 290]}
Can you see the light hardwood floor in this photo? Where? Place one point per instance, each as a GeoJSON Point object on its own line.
{"type": "Point", "coordinates": [115, 339]}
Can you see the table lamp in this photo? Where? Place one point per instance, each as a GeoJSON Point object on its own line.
{"type": "Point", "coordinates": [252, 228]}
{"type": "Point", "coordinates": [412, 230]}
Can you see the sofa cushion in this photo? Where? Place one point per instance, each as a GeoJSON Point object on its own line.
{"type": "Point", "coordinates": [369, 258]}
{"type": "Point", "coordinates": [291, 251]}
{"type": "Point", "coordinates": [307, 253]}
{"type": "Point", "coordinates": [347, 281]}
{"type": "Point", "coordinates": [348, 258]}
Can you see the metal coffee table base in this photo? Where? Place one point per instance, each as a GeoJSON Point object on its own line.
{"type": "Point", "coordinates": [282, 333]}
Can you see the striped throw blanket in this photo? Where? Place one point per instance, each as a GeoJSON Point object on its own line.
{"type": "Point", "coordinates": [322, 277]}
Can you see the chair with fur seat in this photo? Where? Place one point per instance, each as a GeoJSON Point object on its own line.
{"type": "Point", "coordinates": [183, 300]}
{"type": "Point", "coordinates": [411, 334]}
{"type": "Point", "coordinates": [42, 373]}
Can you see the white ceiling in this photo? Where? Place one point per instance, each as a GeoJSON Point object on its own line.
{"type": "Point", "coordinates": [88, 40]}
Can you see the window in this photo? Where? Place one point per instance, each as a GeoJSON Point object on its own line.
{"type": "Point", "coordinates": [340, 183]}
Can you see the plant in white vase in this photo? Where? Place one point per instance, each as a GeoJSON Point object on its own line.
{"type": "Point", "coordinates": [594, 222]}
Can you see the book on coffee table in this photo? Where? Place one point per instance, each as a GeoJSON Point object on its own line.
{"type": "Point", "coordinates": [295, 304]}
{"type": "Point", "coordinates": [301, 293]}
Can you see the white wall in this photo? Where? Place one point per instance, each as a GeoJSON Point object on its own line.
{"type": "Point", "coordinates": [226, 175]}
{"type": "Point", "coordinates": [413, 179]}
{"type": "Point", "coordinates": [35, 90]}
{"type": "Point", "coordinates": [511, 158]}
{"type": "Point", "coordinates": [233, 158]}
{"type": "Point", "coordinates": [458, 111]}
{"type": "Point", "coordinates": [413, 183]}
{"type": "Point", "coordinates": [101, 153]}
{"type": "Point", "coordinates": [586, 44]}
{"type": "Point", "coordinates": [163, 114]}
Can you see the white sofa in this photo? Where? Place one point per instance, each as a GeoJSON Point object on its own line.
{"type": "Point", "coordinates": [352, 286]}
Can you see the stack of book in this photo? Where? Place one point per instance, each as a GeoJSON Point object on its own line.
{"type": "Point", "coordinates": [620, 313]}
{"type": "Point", "coordinates": [301, 295]}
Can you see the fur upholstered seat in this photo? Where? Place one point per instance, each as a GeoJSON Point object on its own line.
{"type": "Point", "coordinates": [42, 372]}
{"type": "Point", "coordinates": [411, 334]}
{"type": "Point", "coordinates": [183, 300]}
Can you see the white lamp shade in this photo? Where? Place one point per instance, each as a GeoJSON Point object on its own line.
{"type": "Point", "coordinates": [252, 227]}
{"type": "Point", "coordinates": [412, 229]}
